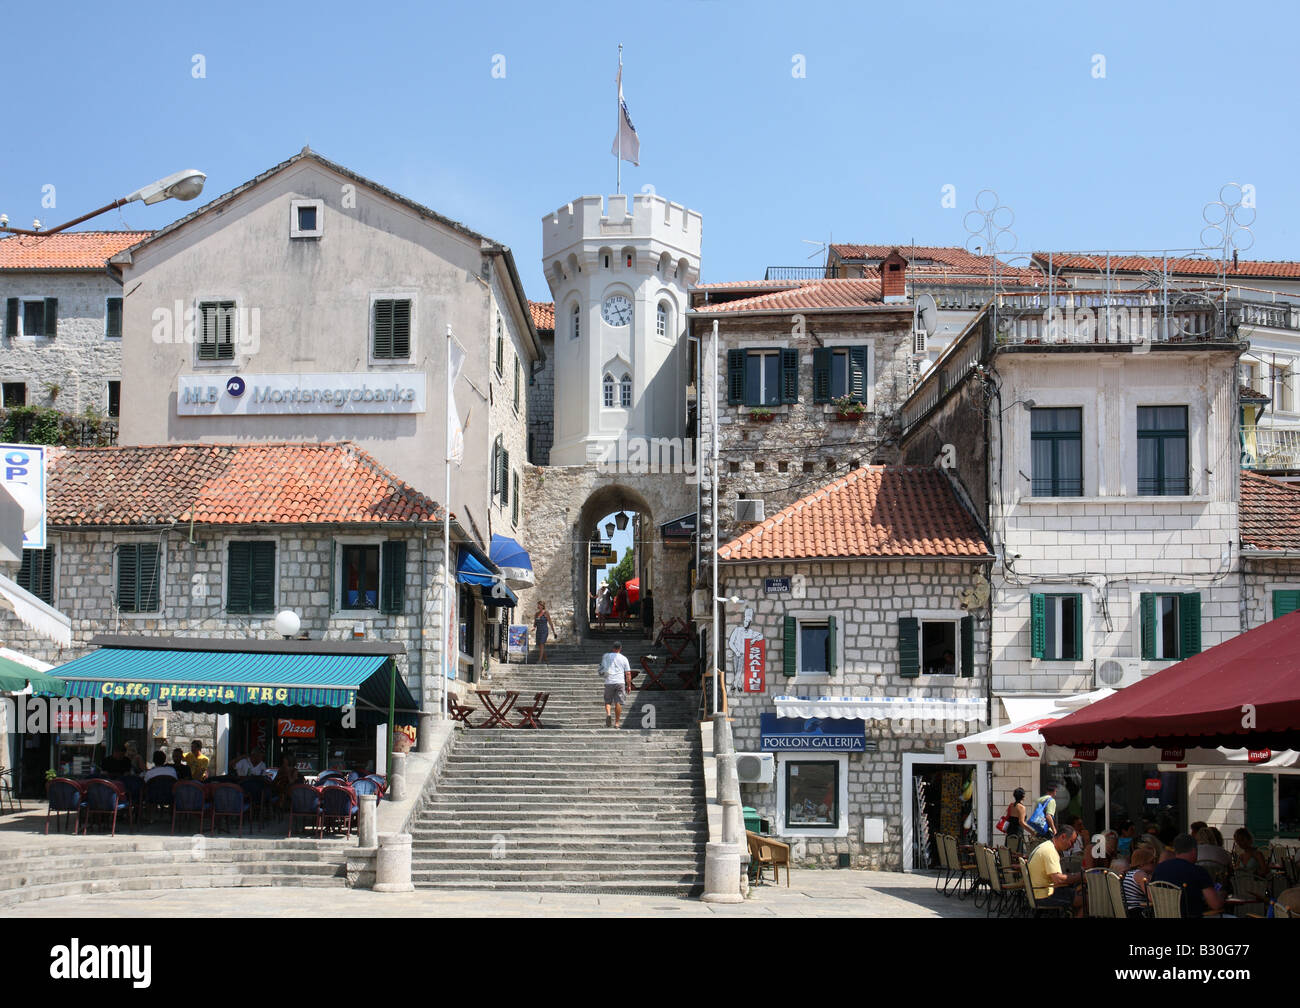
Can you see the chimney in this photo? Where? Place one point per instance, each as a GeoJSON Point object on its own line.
{"type": "Point", "coordinates": [893, 278]}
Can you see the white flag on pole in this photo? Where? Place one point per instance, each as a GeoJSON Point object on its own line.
{"type": "Point", "coordinates": [455, 433]}
{"type": "Point", "coordinates": [626, 144]}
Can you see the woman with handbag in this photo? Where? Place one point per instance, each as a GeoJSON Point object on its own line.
{"type": "Point", "coordinates": [1013, 822]}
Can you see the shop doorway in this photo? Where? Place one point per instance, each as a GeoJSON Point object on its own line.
{"type": "Point", "coordinates": [939, 798]}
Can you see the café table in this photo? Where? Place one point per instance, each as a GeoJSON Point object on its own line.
{"type": "Point", "coordinates": [497, 714]}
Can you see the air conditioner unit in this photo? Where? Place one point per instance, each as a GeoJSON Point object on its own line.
{"type": "Point", "coordinates": [920, 339]}
{"type": "Point", "coordinates": [749, 511]}
{"type": "Point", "coordinates": [1115, 673]}
{"type": "Point", "coordinates": [755, 767]}
{"type": "Point", "coordinates": [700, 604]}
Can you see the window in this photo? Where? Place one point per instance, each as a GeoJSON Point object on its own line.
{"type": "Point", "coordinates": [840, 372]}
{"type": "Point", "coordinates": [811, 647]}
{"type": "Point", "coordinates": [1162, 451]}
{"type": "Point", "coordinates": [217, 330]}
{"type": "Point", "coordinates": [138, 578]}
{"type": "Point", "coordinates": [936, 644]}
{"type": "Point", "coordinates": [762, 377]}
{"type": "Point", "coordinates": [625, 392]}
{"type": "Point", "coordinates": [1056, 452]}
{"type": "Point", "coordinates": [31, 317]}
{"type": "Point", "coordinates": [250, 577]}
{"type": "Point", "coordinates": [305, 218]}
{"type": "Point", "coordinates": [360, 577]}
{"type": "Point", "coordinates": [607, 389]}
{"type": "Point", "coordinates": [812, 794]}
{"type": "Point", "coordinates": [15, 394]}
{"type": "Point", "coordinates": [661, 321]}
{"type": "Point", "coordinates": [1170, 625]}
{"type": "Point", "coordinates": [1283, 386]}
{"type": "Point", "coordinates": [36, 574]}
{"type": "Point", "coordinates": [1057, 627]}
{"type": "Point", "coordinates": [113, 318]}
{"type": "Point", "coordinates": [114, 405]}
{"type": "Point", "coordinates": [391, 329]}
{"type": "Point", "coordinates": [501, 350]}
{"type": "Point", "coordinates": [501, 471]}
{"type": "Point", "coordinates": [518, 370]}
{"type": "Point", "coordinates": [576, 329]}
{"type": "Point", "coordinates": [1285, 602]}
{"type": "Point", "coordinates": [514, 501]}
{"type": "Point", "coordinates": [465, 607]}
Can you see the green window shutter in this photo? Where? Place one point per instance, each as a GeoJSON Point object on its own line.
{"type": "Point", "coordinates": [790, 657]}
{"type": "Point", "coordinates": [401, 328]}
{"type": "Point", "coordinates": [821, 375]}
{"type": "Point", "coordinates": [335, 600]}
{"type": "Point", "coordinates": [51, 317]}
{"type": "Point", "coordinates": [127, 595]}
{"type": "Point", "coordinates": [789, 376]}
{"type": "Point", "coordinates": [505, 477]}
{"type": "Point", "coordinates": [262, 579]}
{"type": "Point", "coordinates": [1189, 624]}
{"type": "Point", "coordinates": [517, 370]}
{"type": "Point", "coordinates": [36, 574]}
{"type": "Point", "coordinates": [392, 588]}
{"type": "Point", "coordinates": [858, 373]}
{"type": "Point", "coordinates": [1259, 806]}
{"type": "Point", "coordinates": [1078, 628]}
{"type": "Point", "coordinates": [238, 594]}
{"type": "Point", "coordinates": [514, 500]}
{"type": "Point", "coordinates": [1037, 625]}
{"type": "Point", "coordinates": [1285, 603]}
{"type": "Point", "coordinates": [383, 329]}
{"type": "Point", "coordinates": [831, 644]}
{"type": "Point", "coordinates": [1147, 607]}
{"type": "Point", "coordinates": [967, 647]}
{"type": "Point", "coordinates": [148, 578]}
{"type": "Point", "coordinates": [909, 647]}
{"type": "Point", "coordinates": [735, 377]}
{"type": "Point", "coordinates": [11, 318]}
{"type": "Point", "coordinates": [113, 325]}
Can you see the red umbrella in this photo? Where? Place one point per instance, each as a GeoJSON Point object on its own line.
{"type": "Point", "coordinates": [1243, 693]}
{"type": "Point", "coordinates": [633, 590]}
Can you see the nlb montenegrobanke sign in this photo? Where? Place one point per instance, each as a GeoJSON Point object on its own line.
{"type": "Point", "coordinates": [264, 394]}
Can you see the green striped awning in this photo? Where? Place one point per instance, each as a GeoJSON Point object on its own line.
{"type": "Point", "coordinates": [231, 677]}
{"type": "Point", "coordinates": [16, 677]}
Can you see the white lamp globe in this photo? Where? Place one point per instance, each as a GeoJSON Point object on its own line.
{"type": "Point", "coordinates": [287, 623]}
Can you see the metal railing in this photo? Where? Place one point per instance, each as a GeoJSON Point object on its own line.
{"type": "Point", "coordinates": [800, 273]}
{"type": "Point", "coordinates": [1270, 447]}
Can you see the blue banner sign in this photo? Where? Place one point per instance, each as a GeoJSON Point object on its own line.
{"type": "Point", "coordinates": [778, 734]}
{"type": "Point", "coordinates": [776, 585]}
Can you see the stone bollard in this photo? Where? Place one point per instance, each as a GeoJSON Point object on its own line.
{"type": "Point", "coordinates": [393, 863]}
{"type": "Point", "coordinates": [722, 740]}
{"type": "Point", "coordinates": [424, 734]}
{"type": "Point", "coordinates": [397, 779]}
{"type": "Point", "coordinates": [367, 820]}
{"type": "Point", "coordinates": [721, 874]}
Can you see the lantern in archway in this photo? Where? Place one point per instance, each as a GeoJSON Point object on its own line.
{"type": "Point", "coordinates": [609, 530]}
{"type": "Point", "coordinates": [621, 520]}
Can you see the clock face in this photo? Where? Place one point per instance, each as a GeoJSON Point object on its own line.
{"type": "Point", "coordinates": [617, 310]}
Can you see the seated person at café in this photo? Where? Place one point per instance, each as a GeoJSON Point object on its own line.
{"type": "Point", "coordinates": [1051, 886]}
{"type": "Point", "coordinates": [252, 765]}
{"type": "Point", "coordinates": [1134, 882]}
{"type": "Point", "coordinates": [179, 765]}
{"type": "Point", "coordinates": [196, 761]}
{"type": "Point", "coordinates": [117, 765]}
{"type": "Point", "coordinates": [1208, 850]}
{"type": "Point", "coordinates": [285, 778]}
{"type": "Point", "coordinates": [138, 765]}
{"type": "Point", "coordinates": [1199, 891]}
{"type": "Point", "coordinates": [160, 768]}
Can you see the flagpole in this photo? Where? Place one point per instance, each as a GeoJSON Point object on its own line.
{"type": "Point", "coordinates": [618, 123]}
{"type": "Point", "coordinates": [447, 629]}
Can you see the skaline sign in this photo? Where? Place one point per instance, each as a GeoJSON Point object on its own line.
{"type": "Point", "coordinates": [263, 394]}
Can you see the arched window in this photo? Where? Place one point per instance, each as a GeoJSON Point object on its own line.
{"type": "Point", "coordinates": [625, 392]}
{"type": "Point", "coordinates": [577, 322]}
{"type": "Point", "coordinates": [661, 320]}
{"type": "Point", "coordinates": [608, 386]}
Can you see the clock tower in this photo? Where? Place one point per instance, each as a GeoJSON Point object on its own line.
{"type": "Point", "coordinates": [619, 277]}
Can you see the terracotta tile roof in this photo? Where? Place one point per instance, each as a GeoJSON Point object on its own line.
{"type": "Point", "coordinates": [744, 284]}
{"type": "Point", "coordinates": [1270, 513]}
{"type": "Point", "coordinates": [810, 295]}
{"type": "Point", "coordinates": [951, 256]}
{"type": "Point", "coordinates": [543, 313]}
{"type": "Point", "coordinates": [65, 250]}
{"type": "Point", "coordinates": [878, 511]}
{"type": "Point", "coordinates": [1248, 394]}
{"type": "Point", "coordinates": [228, 484]}
{"type": "Point", "coordinates": [1154, 264]}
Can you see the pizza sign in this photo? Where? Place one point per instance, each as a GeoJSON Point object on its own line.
{"type": "Point", "coordinates": [291, 728]}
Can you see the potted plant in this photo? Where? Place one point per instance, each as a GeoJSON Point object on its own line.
{"type": "Point", "coordinates": [49, 776]}
{"type": "Point", "coordinates": [761, 414]}
{"type": "Point", "coordinates": [848, 408]}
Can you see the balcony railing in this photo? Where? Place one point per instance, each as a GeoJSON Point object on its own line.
{"type": "Point", "coordinates": [1270, 316]}
{"type": "Point", "coordinates": [1270, 447]}
{"type": "Point", "coordinates": [800, 273]}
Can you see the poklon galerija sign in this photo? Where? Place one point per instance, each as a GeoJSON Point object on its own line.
{"type": "Point", "coordinates": [262, 394]}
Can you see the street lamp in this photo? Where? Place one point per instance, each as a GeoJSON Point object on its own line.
{"type": "Point", "coordinates": [182, 185]}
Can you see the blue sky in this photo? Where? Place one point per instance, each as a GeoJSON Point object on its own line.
{"type": "Point", "coordinates": [894, 105]}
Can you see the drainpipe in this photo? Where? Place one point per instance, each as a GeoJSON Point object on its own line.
{"type": "Point", "coordinates": [424, 736]}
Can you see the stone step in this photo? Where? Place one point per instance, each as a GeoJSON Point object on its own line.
{"type": "Point", "coordinates": [464, 848]}
{"type": "Point", "coordinates": [83, 887]}
{"type": "Point", "coordinates": [615, 875]}
{"type": "Point", "coordinates": [683, 891]}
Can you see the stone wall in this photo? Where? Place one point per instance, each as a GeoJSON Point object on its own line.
{"type": "Point", "coordinates": [804, 446]}
{"type": "Point", "coordinates": [80, 360]}
{"type": "Point", "coordinates": [541, 404]}
{"type": "Point", "coordinates": [1259, 579]}
{"type": "Point", "coordinates": [869, 598]}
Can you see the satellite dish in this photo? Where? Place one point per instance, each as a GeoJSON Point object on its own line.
{"type": "Point", "coordinates": [927, 314]}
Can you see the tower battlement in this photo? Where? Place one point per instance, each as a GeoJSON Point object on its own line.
{"type": "Point", "coordinates": [629, 217]}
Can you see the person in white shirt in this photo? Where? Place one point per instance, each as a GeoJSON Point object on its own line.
{"type": "Point", "coordinates": [252, 765]}
{"type": "Point", "coordinates": [614, 670]}
{"type": "Point", "coordinates": [160, 768]}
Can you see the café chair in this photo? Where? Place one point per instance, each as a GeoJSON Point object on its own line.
{"type": "Point", "coordinates": [1166, 900]}
{"type": "Point", "coordinates": [67, 797]}
{"type": "Point", "coordinates": [189, 797]}
{"type": "Point", "coordinates": [338, 806]}
{"type": "Point", "coordinates": [304, 803]}
{"type": "Point", "coordinates": [768, 853]}
{"type": "Point", "coordinates": [1098, 893]}
{"type": "Point", "coordinates": [1035, 910]}
{"type": "Point", "coordinates": [107, 798]}
{"type": "Point", "coordinates": [7, 792]}
{"type": "Point", "coordinates": [229, 800]}
{"type": "Point", "coordinates": [158, 794]}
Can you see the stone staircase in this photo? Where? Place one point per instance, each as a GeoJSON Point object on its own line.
{"type": "Point", "coordinates": [575, 807]}
{"type": "Point", "coordinates": [76, 865]}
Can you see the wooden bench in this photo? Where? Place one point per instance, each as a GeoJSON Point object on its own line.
{"type": "Point", "coordinates": [768, 853]}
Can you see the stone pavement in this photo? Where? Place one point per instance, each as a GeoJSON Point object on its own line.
{"type": "Point", "coordinates": [828, 893]}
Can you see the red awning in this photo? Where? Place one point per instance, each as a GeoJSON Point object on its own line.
{"type": "Point", "coordinates": [1244, 693]}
